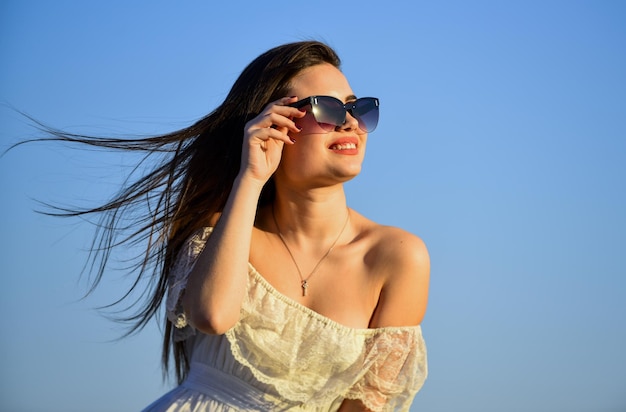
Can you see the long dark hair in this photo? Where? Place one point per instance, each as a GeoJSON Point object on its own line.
{"type": "Point", "coordinates": [191, 183]}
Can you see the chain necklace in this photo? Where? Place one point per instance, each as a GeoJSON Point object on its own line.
{"type": "Point", "coordinates": [304, 282]}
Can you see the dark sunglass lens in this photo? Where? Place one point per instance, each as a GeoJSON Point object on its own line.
{"type": "Point", "coordinates": [366, 112]}
{"type": "Point", "coordinates": [328, 112]}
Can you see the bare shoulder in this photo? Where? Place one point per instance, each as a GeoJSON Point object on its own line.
{"type": "Point", "coordinates": [399, 247]}
{"type": "Point", "coordinates": [393, 249]}
{"type": "Point", "coordinates": [401, 260]}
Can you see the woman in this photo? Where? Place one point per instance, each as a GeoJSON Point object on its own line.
{"type": "Point", "coordinates": [278, 296]}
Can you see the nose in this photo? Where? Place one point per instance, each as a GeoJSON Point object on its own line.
{"type": "Point", "coordinates": [350, 123]}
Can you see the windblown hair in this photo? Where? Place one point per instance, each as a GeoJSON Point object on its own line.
{"type": "Point", "coordinates": [185, 189]}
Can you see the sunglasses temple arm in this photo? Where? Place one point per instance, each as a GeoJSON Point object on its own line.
{"type": "Point", "coordinates": [300, 104]}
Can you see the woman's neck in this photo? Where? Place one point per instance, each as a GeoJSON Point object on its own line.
{"type": "Point", "coordinates": [315, 214]}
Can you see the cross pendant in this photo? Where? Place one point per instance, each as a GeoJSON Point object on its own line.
{"type": "Point", "coordinates": [304, 286]}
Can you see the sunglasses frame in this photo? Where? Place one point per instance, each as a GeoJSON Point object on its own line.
{"type": "Point", "coordinates": [349, 107]}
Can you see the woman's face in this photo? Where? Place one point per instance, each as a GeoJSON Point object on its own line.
{"type": "Point", "coordinates": [319, 157]}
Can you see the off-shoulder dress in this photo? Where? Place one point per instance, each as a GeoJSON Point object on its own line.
{"type": "Point", "coordinates": [283, 356]}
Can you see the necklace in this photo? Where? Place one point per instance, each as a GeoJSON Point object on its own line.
{"type": "Point", "coordinates": [304, 282]}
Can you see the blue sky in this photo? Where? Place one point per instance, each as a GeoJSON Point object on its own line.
{"type": "Point", "coordinates": [502, 143]}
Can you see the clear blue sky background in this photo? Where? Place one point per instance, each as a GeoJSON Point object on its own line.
{"type": "Point", "coordinates": [502, 143]}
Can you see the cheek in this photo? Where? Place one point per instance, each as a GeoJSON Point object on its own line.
{"type": "Point", "coordinates": [294, 161]}
{"type": "Point", "coordinates": [305, 152]}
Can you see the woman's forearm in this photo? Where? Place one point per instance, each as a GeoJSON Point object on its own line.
{"type": "Point", "coordinates": [217, 283]}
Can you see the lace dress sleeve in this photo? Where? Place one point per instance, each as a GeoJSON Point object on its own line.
{"type": "Point", "coordinates": [177, 283]}
{"type": "Point", "coordinates": [395, 369]}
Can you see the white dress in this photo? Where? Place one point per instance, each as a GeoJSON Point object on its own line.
{"type": "Point", "coordinates": [283, 356]}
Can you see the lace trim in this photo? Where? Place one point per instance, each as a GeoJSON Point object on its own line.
{"type": "Point", "coordinates": [396, 371]}
{"type": "Point", "coordinates": [316, 315]}
{"type": "Point", "coordinates": [178, 282]}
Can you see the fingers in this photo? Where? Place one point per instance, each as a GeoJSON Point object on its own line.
{"type": "Point", "coordinates": [281, 107]}
{"type": "Point", "coordinates": [270, 133]}
{"type": "Point", "coordinates": [275, 121]}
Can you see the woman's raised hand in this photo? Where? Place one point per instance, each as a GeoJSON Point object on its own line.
{"type": "Point", "coordinates": [264, 137]}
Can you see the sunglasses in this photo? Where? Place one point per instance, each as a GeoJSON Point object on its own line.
{"type": "Point", "coordinates": [330, 112]}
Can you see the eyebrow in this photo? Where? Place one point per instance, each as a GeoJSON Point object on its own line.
{"type": "Point", "coordinates": [351, 97]}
